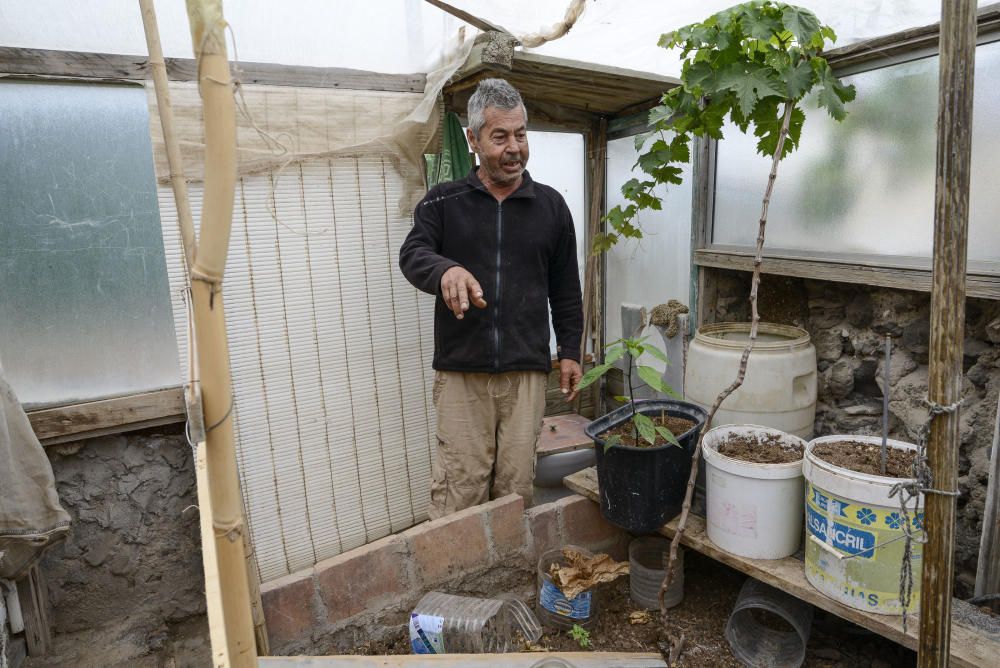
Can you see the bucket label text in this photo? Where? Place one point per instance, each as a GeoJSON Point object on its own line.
{"type": "Point", "coordinates": [844, 538]}
{"type": "Point", "coordinates": [823, 502]}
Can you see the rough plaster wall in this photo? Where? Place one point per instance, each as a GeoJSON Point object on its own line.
{"type": "Point", "coordinates": [847, 324]}
{"type": "Point", "coordinates": [128, 580]}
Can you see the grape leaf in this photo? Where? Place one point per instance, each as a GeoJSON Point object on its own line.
{"type": "Point", "coordinates": [800, 22]}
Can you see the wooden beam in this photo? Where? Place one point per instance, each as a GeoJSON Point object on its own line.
{"type": "Point", "coordinates": [884, 271]}
{"type": "Point", "coordinates": [107, 416]}
{"type": "Point", "coordinates": [34, 600]}
{"type": "Point", "coordinates": [108, 66]}
{"type": "Point", "coordinates": [905, 41]}
{"type": "Point", "coordinates": [471, 19]}
{"type": "Point", "coordinates": [513, 660]}
{"type": "Point", "coordinates": [971, 647]}
{"type": "Point", "coordinates": [944, 375]}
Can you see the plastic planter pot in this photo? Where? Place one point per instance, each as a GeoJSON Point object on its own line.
{"type": "Point", "coordinates": [753, 508]}
{"type": "Point", "coordinates": [641, 489]}
{"type": "Point", "coordinates": [854, 527]}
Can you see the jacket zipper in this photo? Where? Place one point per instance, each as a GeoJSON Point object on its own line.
{"type": "Point", "coordinates": [496, 296]}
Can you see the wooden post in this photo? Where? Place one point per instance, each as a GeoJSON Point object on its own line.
{"type": "Point", "coordinates": [988, 568]}
{"type": "Point", "coordinates": [951, 217]}
{"type": "Point", "coordinates": [231, 606]}
{"type": "Point", "coordinates": [597, 144]}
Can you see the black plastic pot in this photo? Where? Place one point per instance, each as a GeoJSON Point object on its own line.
{"type": "Point", "coordinates": [642, 489]}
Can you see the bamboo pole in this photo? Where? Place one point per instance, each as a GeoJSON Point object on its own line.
{"type": "Point", "coordinates": [227, 522]}
{"type": "Point", "coordinates": [158, 70]}
{"type": "Point", "coordinates": [951, 217]}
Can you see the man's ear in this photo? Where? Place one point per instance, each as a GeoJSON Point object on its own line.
{"type": "Point", "coordinates": [472, 140]}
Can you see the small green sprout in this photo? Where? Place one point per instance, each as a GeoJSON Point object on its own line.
{"type": "Point", "coordinates": [580, 635]}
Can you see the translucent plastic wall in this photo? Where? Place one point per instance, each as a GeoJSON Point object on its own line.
{"type": "Point", "coordinates": [867, 185]}
{"type": "Point", "coordinates": [84, 304]}
{"type": "Point", "coordinates": [656, 268]}
{"type": "Point", "coordinates": [557, 160]}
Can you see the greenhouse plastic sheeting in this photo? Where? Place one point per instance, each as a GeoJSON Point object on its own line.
{"type": "Point", "coordinates": [338, 33]}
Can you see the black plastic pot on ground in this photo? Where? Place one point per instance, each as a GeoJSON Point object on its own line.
{"type": "Point", "coordinates": [642, 489]}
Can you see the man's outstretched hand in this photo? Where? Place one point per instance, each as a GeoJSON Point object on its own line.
{"type": "Point", "coordinates": [459, 288]}
{"type": "Point", "coordinates": [569, 376]}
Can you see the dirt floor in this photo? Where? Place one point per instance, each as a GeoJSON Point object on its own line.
{"type": "Point", "coordinates": [710, 591]}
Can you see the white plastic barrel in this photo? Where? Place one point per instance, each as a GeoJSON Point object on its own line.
{"type": "Point", "coordinates": [780, 386]}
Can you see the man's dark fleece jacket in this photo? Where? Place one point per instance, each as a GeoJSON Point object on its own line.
{"type": "Point", "coordinates": [523, 253]}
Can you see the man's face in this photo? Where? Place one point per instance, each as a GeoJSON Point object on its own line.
{"type": "Point", "coordinates": [502, 144]}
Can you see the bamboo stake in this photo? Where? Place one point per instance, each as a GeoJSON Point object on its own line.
{"type": "Point", "coordinates": [233, 604]}
{"type": "Point", "coordinates": [951, 217]}
{"type": "Point", "coordinates": [158, 70]}
{"type": "Point", "coordinates": [741, 374]}
{"type": "Point", "coordinates": [178, 183]}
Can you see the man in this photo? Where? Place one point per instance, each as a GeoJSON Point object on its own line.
{"type": "Point", "coordinates": [494, 247]}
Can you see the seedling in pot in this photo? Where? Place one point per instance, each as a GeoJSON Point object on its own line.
{"type": "Point", "coordinates": [644, 427]}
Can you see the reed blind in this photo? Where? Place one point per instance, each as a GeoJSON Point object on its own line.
{"type": "Point", "coordinates": [330, 349]}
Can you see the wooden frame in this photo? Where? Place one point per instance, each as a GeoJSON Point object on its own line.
{"type": "Point", "coordinates": [109, 66]}
{"type": "Point", "coordinates": [108, 416]}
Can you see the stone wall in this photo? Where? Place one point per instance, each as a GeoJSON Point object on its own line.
{"type": "Point", "coordinates": [361, 598]}
{"type": "Point", "coordinates": [126, 587]}
{"type": "Point", "coordinates": [848, 324]}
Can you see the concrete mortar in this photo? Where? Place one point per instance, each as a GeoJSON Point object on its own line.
{"type": "Point", "coordinates": [126, 587]}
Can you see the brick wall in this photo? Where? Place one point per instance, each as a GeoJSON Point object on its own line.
{"type": "Point", "coordinates": [367, 593]}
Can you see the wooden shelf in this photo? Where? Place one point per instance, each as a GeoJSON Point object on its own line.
{"type": "Point", "coordinates": [969, 647]}
{"type": "Point", "coordinates": [513, 660]}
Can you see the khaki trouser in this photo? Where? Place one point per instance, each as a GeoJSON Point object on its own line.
{"type": "Point", "coordinates": [487, 427]}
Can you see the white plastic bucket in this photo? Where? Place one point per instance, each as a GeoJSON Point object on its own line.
{"type": "Point", "coordinates": [854, 545]}
{"type": "Point", "coordinates": [780, 386]}
{"type": "Point", "coordinates": [753, 509]}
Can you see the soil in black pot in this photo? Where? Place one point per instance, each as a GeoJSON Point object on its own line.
{"type": "Point", "coordinates": [626, 430]}
{"type": "Point", "coordinates": [762, 449]}
{"type": "Point", "coordinates": [866, 458]}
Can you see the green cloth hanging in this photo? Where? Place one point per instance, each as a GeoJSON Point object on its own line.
{"type": "Point", "coordinates": [453, 162]}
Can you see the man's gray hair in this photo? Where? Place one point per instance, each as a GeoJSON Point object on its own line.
{"type": "Point", "coordinates": [492, 93]}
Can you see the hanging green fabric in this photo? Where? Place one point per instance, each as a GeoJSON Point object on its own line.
{"type": "Point", "coordinates": [453, 162]}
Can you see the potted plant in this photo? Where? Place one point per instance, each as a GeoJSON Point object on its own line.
{"type": "Point", "coordinates": [754, 490]}
{"type": "Point", "coordinates": [644, 447]}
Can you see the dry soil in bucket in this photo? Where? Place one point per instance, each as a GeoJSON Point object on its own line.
{"type": "Point", "coordinates": [766, 449]}
{"type": "Point", "coordinates": [866, 458]}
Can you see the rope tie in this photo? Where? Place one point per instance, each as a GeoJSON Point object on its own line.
{"type": "Point", "coordinates": [921, 482]}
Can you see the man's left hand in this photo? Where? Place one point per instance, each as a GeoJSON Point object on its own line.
{"type": "Point", "coordinates": [569, 375]}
